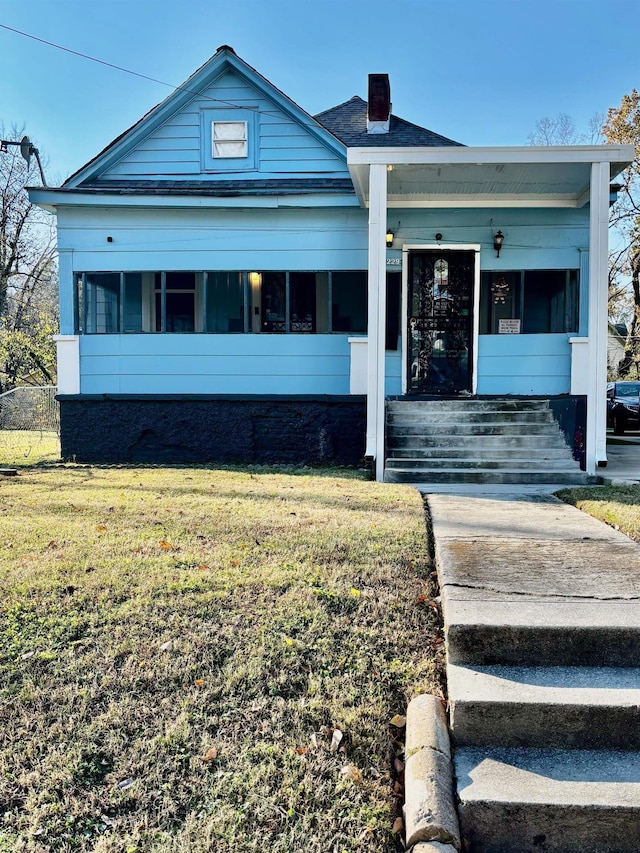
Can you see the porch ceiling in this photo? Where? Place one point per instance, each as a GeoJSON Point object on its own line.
{"type": "Point", "coordinates": [485, 177]}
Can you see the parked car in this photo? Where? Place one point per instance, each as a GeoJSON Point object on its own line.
{"type": "Point", "coordinates": [623, 404]}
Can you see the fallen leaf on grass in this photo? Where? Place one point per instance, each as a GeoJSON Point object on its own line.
{"type": "Point", "coordinates": [203, 568]}
{"type": "Point", "coordinates": [101, 527]}
{"type": "Point", "coordinates": [166, 647]}
{"type": "Point", "coordinates": [235, 563]}
{"type": "Point", "coordinates": [167, 546]}
{"type": "Point", "coordinates": [199, 682]}
{"type": "Point", "coordinates": [398, 826]}
{"type": "Point", "coordinates": [27, 655]}
{"type": "Point", "coordinates": [210, 754]}
{"type": "Point", "coordinates": [335, 740]}
{"type": "Point", "coordinates": [301, 750]}
{"type": "Point", "coordinates": [353, 774]}
{"type": "Point", "coordinates": [398, 722]}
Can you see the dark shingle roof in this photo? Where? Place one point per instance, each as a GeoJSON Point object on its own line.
{"type": "Point", "coordinates": [225, 188]}
{"type": "Point", "coordinates": [348, 122]}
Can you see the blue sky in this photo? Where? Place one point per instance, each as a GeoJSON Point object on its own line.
{"type": "Point", "coordinates": [479, 71]}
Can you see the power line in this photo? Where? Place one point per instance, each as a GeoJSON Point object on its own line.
{"type": "Point", "coordinates": [117, 67]}
{"type": "Point", "coordinates": [136, 73]}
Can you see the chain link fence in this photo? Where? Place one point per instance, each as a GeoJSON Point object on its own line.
{"type": "Point", "coordinates": [29, 425]}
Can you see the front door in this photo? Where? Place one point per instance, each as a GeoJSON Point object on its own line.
{"type": "Point", "coordinates": [440, 327]}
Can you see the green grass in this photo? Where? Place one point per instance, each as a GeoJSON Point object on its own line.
{"type": "Point", "coordinates": [27, 448]}
{"type": "Point", "coordinates": [618, 506]}
{"type": "Point", "coordinates": [151, 618]}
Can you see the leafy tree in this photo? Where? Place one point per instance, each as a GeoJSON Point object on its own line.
{"type": "Point", "coordinates": [27, 274]}
{"type": "Point", "coordinates": [623, 126]}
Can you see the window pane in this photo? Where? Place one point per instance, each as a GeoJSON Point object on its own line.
{"type": "Point", "coordinates": [394, 291]}
{"type": "Point", "coordinates": [349, 301]}
{"type": "Point", "coordinates": [499, 300]}
{"type": "Point", "coordinates": [133, 302]}
{"type": "Point", "coordinates": [274, 302]}
{"type": "Point", "coordinates": [544, 301]}
{"type": "Point", "coordinates": [180, 306]}
{"type": "Point", "coordinates": [229, 130]}
{"type": "Point", "coordinates": [229, 149]}
{"type": "Point", "coordinates": [180, 312]}
{"type": "Point", "coordinates": [225, 302]}
{"type": "Point", "coordinates": [302, 301]}
{"type": "Point", "coordinates": [102, 303]}
{"type": "Point", "coordinates": [181, 281]}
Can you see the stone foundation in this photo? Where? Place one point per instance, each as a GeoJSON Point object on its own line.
{"type": "Point", "coordinates": [111, 429]}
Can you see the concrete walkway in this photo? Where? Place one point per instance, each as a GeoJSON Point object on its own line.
{"type": "Point", "coordinates": [542, 618]}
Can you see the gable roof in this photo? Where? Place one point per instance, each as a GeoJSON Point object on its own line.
{"type": "Point", "coordinates": [224, 59]}
{"type": "Point", "coordinates": [348, 122]}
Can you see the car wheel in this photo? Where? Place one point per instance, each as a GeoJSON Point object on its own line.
{"type": "Point", "coordinates": [618, 425]}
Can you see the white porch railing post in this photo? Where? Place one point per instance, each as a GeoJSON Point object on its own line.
{"type": "Point", "coordinates": [596, 450]}
{"type": "Point", "coordinates": [377, 315]}
{"type": "Point", "coordinates": [68, 349]}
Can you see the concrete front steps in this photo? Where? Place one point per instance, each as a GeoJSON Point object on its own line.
{"type": "Point", "coordinates": [477, 441]}
{"type": "Point", "coordinates": [542, 624]}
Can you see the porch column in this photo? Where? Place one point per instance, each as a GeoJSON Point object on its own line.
{"type": "Point", "coordinates": [377, 315]}
{"type": "Point", "coordinates": [596, 450]}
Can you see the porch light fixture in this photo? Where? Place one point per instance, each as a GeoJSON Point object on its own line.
{"type": "Point", "coordinates": [498, 240]}
{"type": "Point", "coordinates": [391, 233]}
{"type": "Point", "coordinates": [255, 279]}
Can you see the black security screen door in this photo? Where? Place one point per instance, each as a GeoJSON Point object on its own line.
{"type": "Point", "coordinates": [440, 322]}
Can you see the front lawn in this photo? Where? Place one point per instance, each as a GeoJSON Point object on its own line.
{"type": "Point", "coordinates": [618, 506]}
{"type": "Point", "coordinates": [181, 649]}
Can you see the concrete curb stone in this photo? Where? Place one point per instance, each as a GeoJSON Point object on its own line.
{"type": "Point", "coordinates": [427, 726]}
{"type": "Point", "coordinates": [430, 813]}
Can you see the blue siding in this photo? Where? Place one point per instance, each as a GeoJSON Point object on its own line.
{"type": "Point", "coordinates": [393, 373]}
{"type": "Point", "coordinates": [179, 239]}
{"type": "Point", "coordinates": [285, 148]}
{"type": "Point", "coordinates": [524, 364]}
{"type": "Point", "coordinates": [214, 364]}
{"type": "Point", "coordinates": [536, 238]}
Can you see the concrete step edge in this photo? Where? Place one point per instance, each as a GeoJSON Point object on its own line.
{"type": "Point", "coordinates": [545, 706]}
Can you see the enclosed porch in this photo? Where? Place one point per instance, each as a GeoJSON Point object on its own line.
{"type": "Point", "coordinates": [449, 347]}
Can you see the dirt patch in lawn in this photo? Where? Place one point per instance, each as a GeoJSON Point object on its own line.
{"type": "Point", "coordinates": [178, 647]}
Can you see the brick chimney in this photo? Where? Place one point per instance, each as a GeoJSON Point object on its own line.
{"type": "Point", "coordinates": [379, 104]}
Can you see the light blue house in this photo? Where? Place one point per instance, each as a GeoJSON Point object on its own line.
{"type": "Point", "coordinates": [241, 281]}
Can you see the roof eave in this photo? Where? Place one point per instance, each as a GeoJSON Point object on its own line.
{"type": "Point", "coordinates": [360, 160]}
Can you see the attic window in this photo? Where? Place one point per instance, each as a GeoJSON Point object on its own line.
{"type": "Point", "coordinates": [229, 139]}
